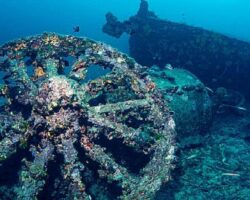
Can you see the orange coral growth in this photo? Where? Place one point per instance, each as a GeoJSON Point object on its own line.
{"type": "Point", "coordinates": [39, 72]}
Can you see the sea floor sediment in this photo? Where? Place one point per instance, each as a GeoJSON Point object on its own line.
{"type": "Point", "coordinates": [214, 166]}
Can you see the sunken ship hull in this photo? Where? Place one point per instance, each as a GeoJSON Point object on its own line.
{"type": "Point", "coordinates": [216, 59]}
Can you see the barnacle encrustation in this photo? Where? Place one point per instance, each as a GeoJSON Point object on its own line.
{"type": "Point", "coordinates": [80, 122]}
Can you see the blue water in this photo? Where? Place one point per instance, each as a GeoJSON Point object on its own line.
{"type": "Point", "coordinates": [227, 143]}
{"type": "Point", "coordinates": [27, 17]}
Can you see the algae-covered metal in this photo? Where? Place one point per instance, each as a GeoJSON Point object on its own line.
{"type": "Point", "coordinates": [187, 97]}
{"type": "Point", "coordinates": [78, 133]}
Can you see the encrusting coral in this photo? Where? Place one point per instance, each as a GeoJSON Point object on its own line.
{"type": "Point", "coordinates": [109, 137]}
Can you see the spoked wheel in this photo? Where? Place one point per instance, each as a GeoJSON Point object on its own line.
{"type": "Point", "coordinates": [80, 122]}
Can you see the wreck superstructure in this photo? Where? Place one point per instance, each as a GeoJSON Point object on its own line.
{"type": "Point", "coordinates": [216, 59]}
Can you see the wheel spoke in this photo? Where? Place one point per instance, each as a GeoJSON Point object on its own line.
{"type": "Point", "coordinates": [33, 174]}
{"type": "Point", "coordinates": [118, 131]}
{"type": "Point", "coordinates": [72, 170]}
{"type": "Point", "coordinates": [8, 146]}
{"type": "Point", "coordinates": [121, 106]}
{"type": "Point", "coordinates": [113, 171]}
{"type": "Point", "coordinates": [12, 129]}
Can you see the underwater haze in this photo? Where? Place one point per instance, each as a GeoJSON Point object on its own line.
{"type": "Point", "coordinates": [124, 99]}
{"type": "Point", "coordinates": [28, 17]}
